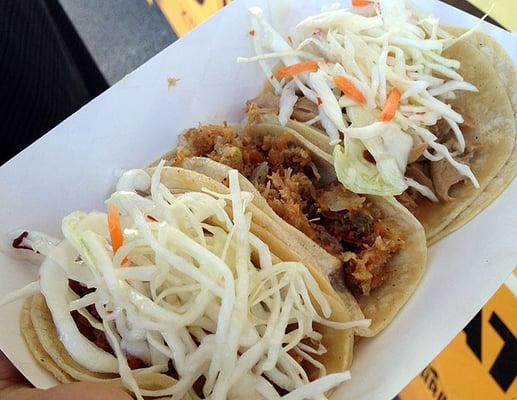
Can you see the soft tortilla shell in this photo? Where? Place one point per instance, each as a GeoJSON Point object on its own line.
{"type": "Point", "coordinates": [35, 347]}
{"type": "Point", "coordinates": [43, 341]}
{"type": "Point", "coordinates": [507, 74]}
{"type": "Point", "coordinates": [493, 134]}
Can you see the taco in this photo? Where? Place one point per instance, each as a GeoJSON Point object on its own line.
{"type": "Point", "coordinates": [372, 250]}
{"type": "Point", "coordinates": [181, 290]}
{"type": "Point", "coordinates": [427, 118]}
{"type": "Point", "coordinates": [507, 74]}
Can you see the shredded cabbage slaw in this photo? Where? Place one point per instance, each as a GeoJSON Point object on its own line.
{"type": "Point", "coordinates": [189, 294]}
{"type": "Point", "coordinates": [376, 48]}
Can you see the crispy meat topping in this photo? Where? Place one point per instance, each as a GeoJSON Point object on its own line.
{"type": "Point", "coordinates": [336, 198]}
{"type": "Point", "coordinates": [342, 222]}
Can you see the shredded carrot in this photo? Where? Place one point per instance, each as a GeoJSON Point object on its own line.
{"type": "Point", "coordinates": [252, 32]}
{"type": "Point", "coordinates": [361, 3]}
{"type": "Point", "coordinates": [390, 108]}
{"type": "Point", "coordinates": [290, 39]}
{"type": "Point", "coordinates": [348, 87]}
{"type": "Point", "coordinates": [114, 228]}
{"type": "Point", "coordinates": [306, 66]}
{"type": "Point", "coordinates": [320, 101]}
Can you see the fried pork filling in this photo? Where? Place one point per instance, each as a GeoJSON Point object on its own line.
{"type": "Point", "coordinates": [343, 223]}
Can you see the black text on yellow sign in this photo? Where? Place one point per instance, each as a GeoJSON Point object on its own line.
{"type": "Point", "coordinates": [480, 363]}
{"type": "Point", "coordinates": [504, 368]}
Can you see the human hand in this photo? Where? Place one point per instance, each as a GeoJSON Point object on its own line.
{"type": "Point", "coordinates": [13, 386]}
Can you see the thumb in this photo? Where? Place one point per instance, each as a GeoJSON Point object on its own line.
{"type": "Point", "coordinates": [84, 391]}
{"type": "Point", "coordinates": [75, 391]}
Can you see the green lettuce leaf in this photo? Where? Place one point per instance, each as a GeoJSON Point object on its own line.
{"type": "Point", "coordinates": [353, 169]}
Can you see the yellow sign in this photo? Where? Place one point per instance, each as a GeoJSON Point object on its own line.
{"type": "Point", "coordinates": [480, 363]}
{"type": "Point", "coordinates": [185, 15]}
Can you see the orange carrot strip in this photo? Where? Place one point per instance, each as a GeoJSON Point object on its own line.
{"type": "Point", "coordinates": [115, 230]}
{"type": "Point", "coordinates": [306, 66]}
{"type": "Point", "coordinates": [390, 108]}
{"type": "Point", "coordinates": [348, 87]}
{"type": "Point", "coordinates": [361, 3]}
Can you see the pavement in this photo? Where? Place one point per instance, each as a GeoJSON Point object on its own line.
{"type": "Point", "coordinates": [120, 34]}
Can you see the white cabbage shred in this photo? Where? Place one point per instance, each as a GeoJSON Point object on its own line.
{"type": "Point", "coordinates": [188, 293]}
{"type": "Point", "coordinates": [387, 45]}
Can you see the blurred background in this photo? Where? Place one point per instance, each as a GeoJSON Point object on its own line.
{"type": "Point", "coordinates": [56, 55]}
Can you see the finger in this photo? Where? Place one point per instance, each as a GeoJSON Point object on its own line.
{"type": "Point", "coordinates": [84, 391]}
{"type": "Point", "coordinates": [12, 384]}
{"type": "Point", "coordinates": [18, 392]}
{"type": "Point", "coordinates": [8, 372]}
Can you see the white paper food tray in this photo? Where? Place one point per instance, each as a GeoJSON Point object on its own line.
{"type": "Point", "coordinates": [75, 165]}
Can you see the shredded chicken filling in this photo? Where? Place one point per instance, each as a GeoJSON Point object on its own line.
{"type": "Point", "coordinates": [345, 224]}
{"type": "Point", "coordinates": [439, 176]}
